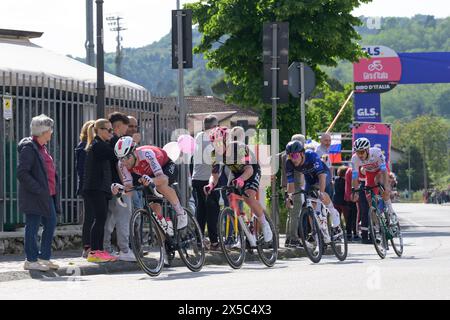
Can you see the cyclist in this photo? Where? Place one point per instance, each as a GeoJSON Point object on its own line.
{"type": "Point", "coordinates": [245, 170]}
{"type": "Point", "coordinates": [316, 174]}
{"type": "Point", "coordinates": [373, 164]}
{"type": "Point", "coordinates": [154, 167]}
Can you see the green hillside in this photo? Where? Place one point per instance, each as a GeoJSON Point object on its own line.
{"type": "Point", "coordinates": [150, 66]}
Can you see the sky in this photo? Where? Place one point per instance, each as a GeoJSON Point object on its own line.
{"type": "Point", "coordinates": [63, 21]}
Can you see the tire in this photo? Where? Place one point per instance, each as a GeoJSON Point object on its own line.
{"type": "Point", "coordinates": [377, 233]}
{"type": "Point", "coordinates": [190, 244]}
{"type": "Point", "coordinates": [267, 251]}
{"type": "Point", "coordinates": [147, 242]}
{"type": "Point", "coordinates": [311, 235]}
{"type": "Point", "coordinates": [233, 243]}
{"type": "Point", "coordinates": [397, 240]}
{"type": "Point", "coordinates": [339, 246]}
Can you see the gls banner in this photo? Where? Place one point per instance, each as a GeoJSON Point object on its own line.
{"type": "Point", "coordinates": [367, 107]}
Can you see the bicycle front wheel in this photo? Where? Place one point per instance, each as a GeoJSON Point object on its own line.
{"type": "Point", "coordinates": [377, 233]}
{"type": "Point", "coordinates": [146, 242]}
{"type": "Point", "coordinates": [310, 235]}
{"type": "Point", "coordinates": [338, 243]}
{"type": "Point", "coordinates": [267, 251]}
{"type": "Point", "coordinates": [190, 244]}
{"type": "Point", "coordinates": [397, 238]}
{"type": "Point", "coordinates": [231, 238]}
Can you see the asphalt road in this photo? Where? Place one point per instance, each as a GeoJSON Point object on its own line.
{"type": "Point", "coordinates": [422, 273]}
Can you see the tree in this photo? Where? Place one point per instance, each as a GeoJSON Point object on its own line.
{"type": "Point", "coordinates": [321, 33]}
{"type": "Point", "coordinates": [430, 135]}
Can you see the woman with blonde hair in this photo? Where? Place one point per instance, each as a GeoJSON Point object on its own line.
{"type": "Point", "coordinates": [80, 159]}
{"type": "Point", "coordinates": [97, 185]}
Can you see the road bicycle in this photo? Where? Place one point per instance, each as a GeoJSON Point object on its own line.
{"type": "Point", "coordinates": [151, 240]}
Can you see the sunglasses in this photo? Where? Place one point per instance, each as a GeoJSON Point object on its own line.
{"type": "Point", "coordinates": [361, 152]}
{"type": "Point", "coordinates": [128, 156]}
{"type": "Point", "coordinates": [294, 155]}
{"type": "Point", "coordinates": [110, 130]}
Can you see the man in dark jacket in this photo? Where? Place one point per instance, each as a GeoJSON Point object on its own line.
{"type": "Point", "coordinates": [118, 216]}
{"type": "Point", "coordinates": [38, 193]}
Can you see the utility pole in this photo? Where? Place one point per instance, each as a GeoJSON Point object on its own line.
{"type": "Point", "coordinates": [89, 44]}
{"type": "Point", "coordinates": [181, 105]}
{"type": "Point", "coordinates": [115, 25]}
{"type": "Point", "coordinates": [100, 62]}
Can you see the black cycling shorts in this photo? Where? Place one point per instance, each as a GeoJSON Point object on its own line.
{"type": "Point", "coordinates": [252, 183]}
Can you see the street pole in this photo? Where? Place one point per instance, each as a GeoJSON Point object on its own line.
{"type": "Point", "coordinates": [409, 173]}
{"type": "Point", "coordinates": [274, 140]}
{"type": "Point", "coordinates": [181, 106]}
{"type": "Point", "coordinates": [100, 62]}
{"type": "Point", "coordinates": [89, 44]}
{"type": "Point", "coordinates": [302, 97]}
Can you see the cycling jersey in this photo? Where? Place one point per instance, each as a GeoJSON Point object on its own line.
{"type": "Point", "coordinates": [236, 163]}
{"type": "Point", "coordinates": [374, 163]}
{"type": "Point", "coordinates": [150, 161]}
{"type": "Point", "coordinates": [312, 167]}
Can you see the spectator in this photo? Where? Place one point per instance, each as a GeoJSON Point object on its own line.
{"type": "Point", "coordinates": [323, 150]}
{"type": "Point", "coordinates": [207, 208]}
{"type": "Point", "coordinates": [80, 158]}
{"type": "Point", "coordinates": [97, 185]}
{"type": "Point", "coordinates": [133, 131]}
{"type": "Point", "coordinates": [118, 216]}
{"type": "Point", "coordinates": [352, 220]}
{"type": "Point", "coordinates": [363, 210]}
{"type": "Point", "coordinates": [38, 193]}
{"type": "Point", "coordinates": [292, 239]}
{"type": "Point", "coordinates": [340, 204]}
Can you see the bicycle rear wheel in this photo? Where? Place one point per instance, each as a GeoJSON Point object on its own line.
{"type": "Point", "coordinates": [310, 235]}
{"type": "Point", "coordinates": [267, 251]}
{"type": "Point", "coordinates": [377, 233]}
{"type": "Point", "coordinates": [397, 239]}
{"type": "Point", "coordinates": [338, 243]}
{"type": "Point", "coordinates": [190, 244]}
{"type": "Point", "coordinates": [146, 242]}
{"type": "Point", "coordinates": [231, 238]}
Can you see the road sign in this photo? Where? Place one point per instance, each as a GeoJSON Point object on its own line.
{"type": "Point", "coordinates": [295, 80]}
{"type": "Point", "coordinates": [187, 39]}
{"type": "Point", "coordinates": [7, 108]}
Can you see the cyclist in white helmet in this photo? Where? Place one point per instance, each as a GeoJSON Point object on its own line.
{"type": "Point", "coordinates": [373, 164]}
{"type": "Point", "coordinates": [154, 167]}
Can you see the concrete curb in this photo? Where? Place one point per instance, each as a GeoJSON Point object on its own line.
{"type": "Point", "coordinates": [124, 267]}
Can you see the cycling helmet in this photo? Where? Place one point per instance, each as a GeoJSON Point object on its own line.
{"type": "Point", "coordinates": [219, 133]}
{"type": "Point", "coordinates": [294, 147]}
{"type": "Point", "coordinates": [361, 144]}
{"type": "Point", "coordinates": [124, 147]}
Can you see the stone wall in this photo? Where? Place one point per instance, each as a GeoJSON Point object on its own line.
{"type": "Point", "coordinates": [66, 238]}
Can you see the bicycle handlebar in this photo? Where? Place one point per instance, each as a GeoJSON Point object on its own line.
{"type": "Point", "coordinates": [369, 188]}
{"type": "Point", "coordinates": [233, 189]}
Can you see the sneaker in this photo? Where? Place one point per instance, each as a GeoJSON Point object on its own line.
{"type": "Point", "coordinates": [267, 232]}
{"type": "Point", "coordinates": [128, 257]}
{"type": "Point", "coordinates": [287, 244]}
{"type": "Point", "coordinates": [366, 241]}
{"type": "Point", "coordinates": [295, 244]}
{"type": "Point", "coordinates": [100, 257]}
{"type": "Point", "coordinates": [35, 266]}
{"type": "Point", "coordinates": [207, 243]}
{"type": "Point", "coordinates": [182, 221]}
{"type": "Point", "coordinates": [49, 264]}
{"type": "Point", "coordinates": [215, 247]}
{"type": "Point", "coordinates": [356, 238]}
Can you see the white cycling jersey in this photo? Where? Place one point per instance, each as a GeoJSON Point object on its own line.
{"type": "Point", "coordinates": [374, 162]}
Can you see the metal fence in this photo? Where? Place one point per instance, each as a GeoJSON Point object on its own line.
{"type": "Point", "coordinates": [70, 103]}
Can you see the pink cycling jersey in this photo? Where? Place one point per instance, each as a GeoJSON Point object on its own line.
{"type": "Point", "coordinates": [374, 162]}
{"type": "Point", "coordinates": [150, 161]}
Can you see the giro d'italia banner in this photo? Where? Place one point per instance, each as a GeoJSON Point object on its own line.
{"type": "Point", "coordinates": [379, 135]}
{"type": "Point", "coordinates": [380, 73]}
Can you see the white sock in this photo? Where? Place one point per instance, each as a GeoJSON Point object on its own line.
{"type": "Point", "coordinates": [389, 205]}
{"type": "Point", "coordinates": [179, 209]}
{"type": "Point", "coordinates": [262, 219]}
{"type": "Point", "coordinates": [336, 219]}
